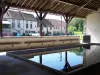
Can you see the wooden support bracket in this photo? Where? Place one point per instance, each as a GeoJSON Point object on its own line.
{"type": "Point", "coordinates": [41, 16]}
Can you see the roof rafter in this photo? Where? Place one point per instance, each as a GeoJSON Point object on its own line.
{"type": "Point", "coordinates": [33, 3]}
{"type": "Point", "coordinates": [78, 5]}
{"type": "Point", "coordinates": [17, 2]}
{"type": "Point", "coordinates": [43, 4]}
{"type": "Point", "coordinates": [61, 8]}
{"type": "Point", "coordinates": [23, 2]}
{"type": "Point", "coordinates": [39, 3]}
{"type": "Point", "coordinates": [29, 3]}
{"type": "Point", "coordinates": [83, 6]}
{"type": "Point", "coordinates": [55, 6]}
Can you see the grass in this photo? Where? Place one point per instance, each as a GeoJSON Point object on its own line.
{"type": "Point", "coordinates": [79, 34]}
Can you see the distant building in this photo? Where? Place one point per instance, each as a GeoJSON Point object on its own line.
{"type": "Point", "coordinates": [20, 23]}
{"type": "Point", "coordinates": [59, 27]}
{"type": "Point", "coordinates": [53, 27]}
{"type": "Point", "coordinates": [30, 23]}
{"type": "Point", "coordinates": [46, 26]}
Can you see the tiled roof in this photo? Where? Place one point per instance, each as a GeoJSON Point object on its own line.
{"type": "Point", "coordinates": [21, 15]}
{"type": "Point", "coordinates": [15, 15]}
{"type": "Point", "coordinates": [55, 22]}
{"type": "Point", "coordinates": [46, 23]}
{"type": "Point", "coordinates": [29, 17]}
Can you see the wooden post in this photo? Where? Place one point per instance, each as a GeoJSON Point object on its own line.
{"type": "Point", "coordinates": [67, 65]}
{"type": "Point", "coordinates": [84, 57]}
{"type": "Point", "coordinates": [41, 16]}
{"type": "Point", "coordinates": [1, 21]}
{"type": "Point", "coordinates": [66, 57]}
{"type": "Point", "coordinates": [66, 27]}
{"type": "Point", "coordinates": [3, 9]}
{"type": "Point", "coordinates": [40, 59]}
{"type": "Point", "coordinates": [41, 33]}
{"type": "Point", "coordinates": [67, 20]}
{"type": "Point", "coordinates": [47, 31]}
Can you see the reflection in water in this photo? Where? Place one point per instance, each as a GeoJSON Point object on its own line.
{"type": "Point", "coordinates": [61, 61]}
{"type": "Point", "coordinates": [60, 56]}
{"type": "Point", "coordinates": [40, 59]}
{"type": "Point", "coordinates": [78, 51]}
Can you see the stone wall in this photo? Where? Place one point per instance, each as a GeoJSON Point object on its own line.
{"type": "Point", "coordinates": [21, 43]}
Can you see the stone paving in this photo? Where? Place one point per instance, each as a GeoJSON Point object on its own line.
{"type": "Point", "coordinates": [12, 66]}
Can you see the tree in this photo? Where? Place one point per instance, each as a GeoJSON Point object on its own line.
{"type": "Point", "coordinates": [77, 23]}
{"type": "Point", "coordinates": [77, 51]}
{"type": "Point", "coordinates": [71, 28]}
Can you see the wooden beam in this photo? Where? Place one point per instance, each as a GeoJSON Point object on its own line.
{"type": "Point", "coordinates": [70, 19]}
{"type": "Point", "coordinates": [61, 8]}
{"type": "Point", "coordinates": [23, 2]}
{"type": "Point", "coordinates": [17, 2]}
{"type": "Point", "coordinates": [70, 10]}
{"type": "Point", "coordinates": [55, 6]}
{"type": "Point", "coordinates": [39, 3]}
{"type": "Point", "coordinates": [41, 26]}
{"type": "Point", "coordinates": [44, 15]}
{"type": "Point", "coordinates": [11, 1]}
{"type": "Point", "coordinates": [29, 3]}
{"type": "Point", "coordinates": [1, 16]}
{"type": "Point", "coordinates": [40, 59]}
{"type": "Point", "coordinates": [50, 4]}
{"type": "Point", "coordinates": [67, 65]}
{"type": "Point", "coordinates": [33, 3]}
{"type": "Point", "coordinates": [37, 14]}
{"type": "Point", "coordinates": [82, 6]}
{"type": "Point", "coordinates": [2, 12]}
{"type": "Point", "coordinates": [67, 20]}
{"type": "Point", "coordinates": [43, 4]}
{"type": "Point", "coordinates": [86, 3]}
{"type": "Point", "coordinates": [78, 5]}
{"type": "Point", "coordinates": [6, 10]}
{"type": "Point", "coordinates": [41, 17]}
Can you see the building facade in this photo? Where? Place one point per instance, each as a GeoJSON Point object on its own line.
{"type": "Point", "coordinates": [21, 22]}
{"type": "Point", "coordinates": [59, 27]}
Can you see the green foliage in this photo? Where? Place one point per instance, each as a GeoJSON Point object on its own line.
{"type": "Point", "coordinates": [76, 25]}
{"type": "Point", "coordinates": [71, 28]}
{"type": "Point", "coordinates": [77, 51]}
{"type": "Point", "coordinates": [23, 34]}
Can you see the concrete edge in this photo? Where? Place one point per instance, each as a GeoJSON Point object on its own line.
{"type": "Point", "coordinates": [37, 64]}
